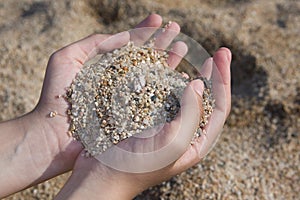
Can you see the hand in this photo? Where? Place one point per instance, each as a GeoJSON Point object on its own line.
{"type": "Point", "coordinates": [37, 146]}
{"type": "Point", "coordinates": [97, 180]}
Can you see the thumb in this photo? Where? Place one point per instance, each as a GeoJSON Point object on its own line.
{"type": "Point", "coordinates": [198, 87]}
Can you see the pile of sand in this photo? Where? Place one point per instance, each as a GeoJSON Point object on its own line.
{"type": "Point", "coordinates": [258, 152]}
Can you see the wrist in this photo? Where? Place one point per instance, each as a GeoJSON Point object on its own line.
{"type": "Point", "coordinates": [97, 181]}
{"type": "Point", "coordinates": [30, 148]}
{"type": "Point", "coordinates": [23, 151]}
{"type": "Point", "coordinates": [55, 145]}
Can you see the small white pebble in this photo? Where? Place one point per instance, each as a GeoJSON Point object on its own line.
{"type": "Point", "coordinates": [52, 114]}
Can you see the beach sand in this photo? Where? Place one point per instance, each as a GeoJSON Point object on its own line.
{"type": "Point", "coordinates": [257, 156]}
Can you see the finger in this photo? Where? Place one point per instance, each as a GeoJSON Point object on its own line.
{"type": "Point", "coordinates": [177, 52]}
{"type": "Point", "coordinates": [206, 68]}
{"type": "Point", "coordinates": [222, 60]}
{"type": "Point", "coordinates": [222, 96]}
{"type": "Point", "coordinates": [82, 50]}
{"type": "Point", "coordinates": [165, 36]}
{"type": "Point", "coordinates": [191, 156]}
{"type": "Point", "coordinates": [145, 29]}
{"type": "Point", "coordinates": [152, 20]}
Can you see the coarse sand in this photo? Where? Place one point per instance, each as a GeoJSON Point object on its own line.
{"type": "Point", "coordinates": [125, 92]}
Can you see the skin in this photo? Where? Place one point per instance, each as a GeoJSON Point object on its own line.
{"type": "Point", "coordinates": [37, 147]}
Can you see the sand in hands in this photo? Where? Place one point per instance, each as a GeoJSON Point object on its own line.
{"type": "Point", "coordinates": [125, 92]}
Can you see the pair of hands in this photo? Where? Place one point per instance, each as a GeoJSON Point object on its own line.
{"type": "Point", "coordinates": [90, 178]}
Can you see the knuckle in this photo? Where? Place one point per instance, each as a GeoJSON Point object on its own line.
{"type": "Point", "coordinates": [60, 54]}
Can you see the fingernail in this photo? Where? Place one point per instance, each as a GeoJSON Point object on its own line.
{"type": "Point", "coordinates": [228, 56]}
{"type": "Point", "coordinates": [227, 52]}
{"type": "Point", "coordinates": [198, 87]}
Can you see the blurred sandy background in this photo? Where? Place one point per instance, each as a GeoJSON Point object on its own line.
{"type": "Point", "coordinates": [258, 154]}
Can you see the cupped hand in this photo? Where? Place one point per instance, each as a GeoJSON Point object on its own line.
{"type": "Point", "coordinates": [93, 174]}
{"type": "Point", "coordinates": [51, 112]}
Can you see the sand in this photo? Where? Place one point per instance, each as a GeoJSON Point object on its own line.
{"type": "Point", "coordinates": [257, 156]}
{"type": "Point", "coordinates": [123, 93]}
